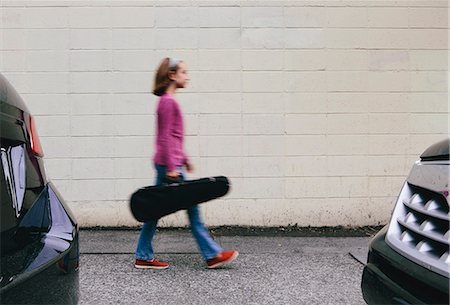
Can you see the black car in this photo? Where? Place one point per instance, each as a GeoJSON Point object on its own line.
{"type": "Point", "coordinates": [409, 258]}
{"type": "Point", "coordinates": [39, 234]}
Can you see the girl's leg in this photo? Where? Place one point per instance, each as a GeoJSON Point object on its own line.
{"type": "Point", "coordinates": [144, 248]}
{"type": "Point", "coordinates": [208, 247]}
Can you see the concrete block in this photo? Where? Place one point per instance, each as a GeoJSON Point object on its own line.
{"type": "Point", "coordinates": [262, 81]}
{"type": "Point", "coordinates": [306, 145]}
{"type": "Point", "coordinates": [428, 39]}
{"type": "Point", "coordinates": [90, 82]}
{"type": "Point", "coordinates": [343, 81]}
{"type": "Point", "coordinates": [95, 168]}
{"type": "Point", "coordinates": [92, 147]}
{"type": "Point", "coordinates": [219, 38]}
{"type": "Point", "coordinates": [133, 125]}
{"type": "Point", "coordinates": [304, 38]}
{"type": "Point", "coordinates": [176, 17]}
{"type": "Point", "coordinates": [389, 60]}
{"type": "Point", "coordinates": [56, 147]}
{"type": "Point", "coordinates": [133, 168]}
{"type": "Point", "coordinates": [266, 124]}
{"type": "Point", "coordinates": [219, 102]}
{"type": "Point", "coordinates": [46, 17]}
{"type": "Point", "coordinates": [305, 81]}
{"type": "Point", "coordinates": [90, 17]}
{"type": "Point", "coordinates": [260, 188]}
{"type": "Point", "coordinates": [388, 38]}
{"type": "Point", "coordinates": [336, 38]}
{"type": "Point", "coordinates": [387, 17]}
{"type": "Point", "coordinates": [213, 166]}
{"type": "Point", "coordinates": [429, 81]}
{"type": "Point", "coordinates": [267, 17]}
{"type": "Point", "coordinates": [263, 167]}
{"type": "Point", "coordinates": [47, 82]}
{"type": "Point", "coordinates": [346, 17]}
{"type": "Point", "coordinates": [306, 187]}
{"type": "Point", "coordinates": [310, 102]}
{"type": "Point", "coordinates": [12, 61]}
{"type": "Point", "coordinates": [94, 125]}
{"type": "Point", "coordinates": [223, 146]}
{"type": "Point", "coordinates": [428, 59]}
{"type": "Point", "coordinates": [219, 60]}
{"type": "Point", "coordinates": [348, 166]}
{"type": "Point", "coordinates": [385, 186]}
{"type": "Point", "coordinates": [428, 17]}
{"type": "Point", "coordinates": [51, 61]}
{"type": "Point", "coordinates": [189, 56]}
{"type": "Point", "coordinates": [345, 60]}
{"type": "Point", "coordinates": [306, 124]}
{"type": "Point", "coordinates": [263, 103]}
{"type": "Point", "coordinates": [92, 190]}
{"type": "Point", "coordinates": [131, 82]}
{"type": "Point", "coordinates": [389, 81]}
{"type": "Point", "coordinates": [257, 38]}
{"type": "Point", "coordinates": [220, 124]}
{"type": "Point", "coordinates": [175, 38]}
{"type": "Point", "coordinates": [263, 145]}
{"type": "Point", "coordinates": [392, 166]}
{"type": "Point", "coordinates": [91, 104]}
{"type": "Point", "coordinates": [388, 123]}
{"type": "Point", "coordinates": [336, 145]}
{"type": "Point", "coordinates": [428, 102]}
{"type": "Point", "coordinates": [417, 143]}
{"type": "Point", "coordinates": [216, 17]}
{"type": "Point", "coordinates": [129, 103]}
{"type": "Point", "coordinates": [348, 187]}
{"type": "Point", "coordinates": [218, 81]}
{"type": "Point", "coordinates": [192, 124]}
{"type": "Point", "coordinates": [350, 124]}
{"type": "Point", "coordinates": [304, 60]}
{"type": "Point", "coordinates": [436, 123]}
{"type": "Point", "coordinates": [58, 169]}
{"type": "Point", "coordinates": [306, 166]}
{"type": "Point", "coordinates": [133, 17]}
{"type": "Point", "coordinates": [133, 146]}
{"type": "Point", "coordinates": [257, 60]}
{"type": "Point", "coordinates": [47, 104]}
{"type": "Point", "coordinates": [90, 39]}
{"type": "Point", "coordinates": [389, 102]}
{"type": "Point", "coordinates": [388, 145]}
{"type": "Point", "coordinates": [305, 17]}
{"type": "Point", "coordinates": [135, 39]}
{"type": "Point", "coordinates": [343, 102]}
{"type": "Point", "coordinates": [90, 60]}
{"type": "Point", "coordinates": [13, 39]}
{"type": "Point", "coordinates": [13, 17]}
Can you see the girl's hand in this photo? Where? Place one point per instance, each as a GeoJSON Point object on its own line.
{"type": "Point", "coordinates": [189, 167]}
{"type": "Point", "coordinates": [173, 175]}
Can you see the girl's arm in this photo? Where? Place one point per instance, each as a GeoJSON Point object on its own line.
{"type": "Point", "coordinates": [166, 117]}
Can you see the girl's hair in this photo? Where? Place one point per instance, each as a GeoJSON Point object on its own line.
{"type": "Point", "coordinates": [162, 80]}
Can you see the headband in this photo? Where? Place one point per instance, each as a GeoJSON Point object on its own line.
{"type": "Point", "coordinates": [173, 62]}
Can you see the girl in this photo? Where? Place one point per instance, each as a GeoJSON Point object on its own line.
{"type": "Point", "coordinates": [170, 161]}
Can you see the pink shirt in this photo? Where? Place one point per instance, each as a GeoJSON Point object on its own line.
{"type": "Point", "coordinates": [169, 134]}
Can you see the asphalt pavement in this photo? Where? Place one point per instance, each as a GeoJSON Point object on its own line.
{"type": "Point", "coordinates": [269, 270]}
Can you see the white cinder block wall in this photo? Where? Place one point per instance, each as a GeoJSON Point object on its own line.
{"type": "Point", "coordinates": [316, 110]}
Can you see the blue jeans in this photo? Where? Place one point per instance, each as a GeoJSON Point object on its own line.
{"type": "Point", "coordinates": [208, 247]}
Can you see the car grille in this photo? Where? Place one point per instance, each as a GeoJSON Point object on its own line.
{"type": "Point", "coordinates": [419, 228]}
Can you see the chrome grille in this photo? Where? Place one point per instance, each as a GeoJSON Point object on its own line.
{"type": "Point", "coordinates": [419, 228]}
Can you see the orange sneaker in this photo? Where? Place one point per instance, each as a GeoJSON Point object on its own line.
{"type": "Point", "coordinates": [223, 258]}
{"type": "Point", "coordinates": [150, 264]}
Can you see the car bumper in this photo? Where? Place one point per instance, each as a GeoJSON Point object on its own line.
{"type": "Point", "coordinates": [390, 278]}
{"type": "Point", "coordinates": [32, 273]}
